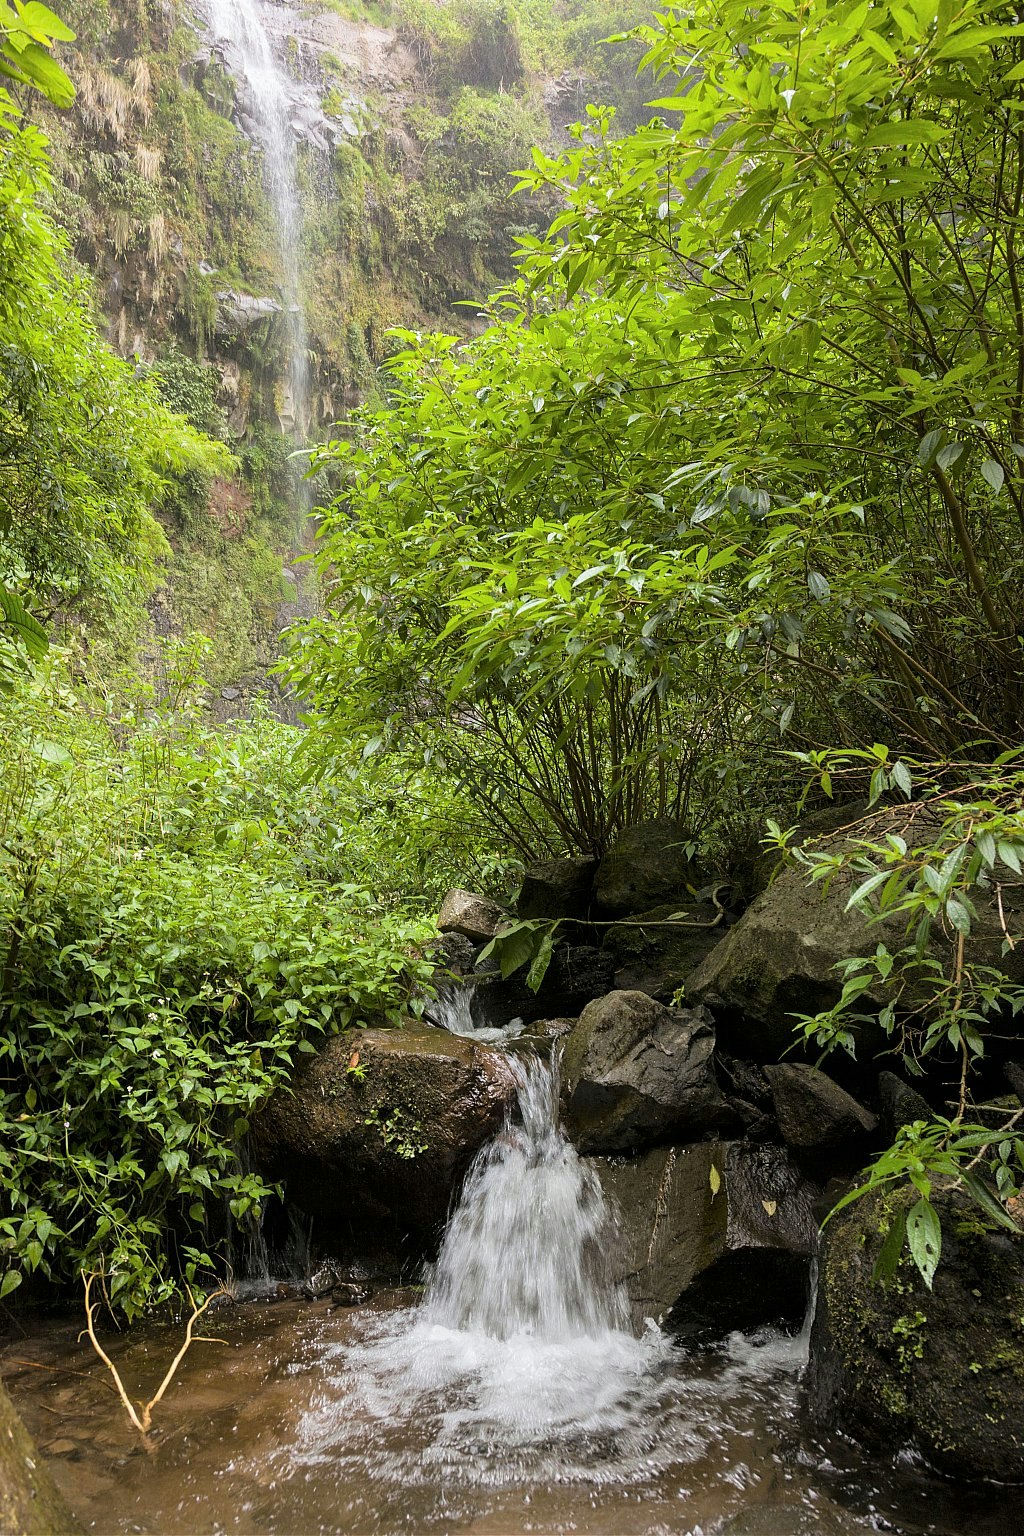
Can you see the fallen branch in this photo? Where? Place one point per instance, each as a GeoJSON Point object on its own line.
{"type": "Point", "coordinates": [141, 1415]}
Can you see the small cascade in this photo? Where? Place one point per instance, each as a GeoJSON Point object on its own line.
{"type": "Point", "coordinates": [526, 1252]}
{"type": "Point", "coordinates": [239, 24]}
{"type": "Point", "coordinates": [460, 1009]}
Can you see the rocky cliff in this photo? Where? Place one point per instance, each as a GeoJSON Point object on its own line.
{"type": "Point", "coordinates": [405, 129]}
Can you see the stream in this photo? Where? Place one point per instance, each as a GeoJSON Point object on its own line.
{"type": "Point", "coordinates": [508, 1395]}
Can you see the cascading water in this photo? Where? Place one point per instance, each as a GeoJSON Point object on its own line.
{"type": "Point", "coordinates": [522, 1339]}
{"type": "Point", "coordinates": [239, 25]}
{"type": "Point", "coordinates": [526, 1252]}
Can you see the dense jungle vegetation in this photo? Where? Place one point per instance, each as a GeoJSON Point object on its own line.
{"type": "Point", "coordinates": [722, 510]}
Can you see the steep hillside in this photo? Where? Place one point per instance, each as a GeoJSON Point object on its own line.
{"type": "Point", "coordinates": [405, 128]}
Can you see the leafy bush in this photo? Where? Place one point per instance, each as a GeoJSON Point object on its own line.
{"type": "Point", "coordinates": [180, 913]}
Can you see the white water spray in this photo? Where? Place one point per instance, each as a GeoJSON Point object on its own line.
{"type": "Point", "coordinates": [239, 24]}
{"type": "Point", "coordinates": [526, 1252]}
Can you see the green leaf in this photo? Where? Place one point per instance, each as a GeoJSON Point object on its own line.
{"type": "Point", "coordinates": [10, 1282]}
{"type": "Point", "coordinates": [924, 1234]}
{"type": "Point", "coordinates": [542, 960]}
{"type": "Point", "coordinates": [889, 1254]}
{"type": "Point", "coordinates": [992, 473]}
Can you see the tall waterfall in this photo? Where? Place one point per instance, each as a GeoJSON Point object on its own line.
{"type": "Point", "coordinates": [239, 24]}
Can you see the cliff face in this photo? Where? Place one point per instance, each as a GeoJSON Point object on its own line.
{"type": "Point", "coordinates": [402, 131]}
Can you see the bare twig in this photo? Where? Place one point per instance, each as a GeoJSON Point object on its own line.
{"type": "Point", "coordinates": [141, 1415]}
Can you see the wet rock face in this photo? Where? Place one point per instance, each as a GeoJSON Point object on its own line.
{"type": "Point", "coordinates": [649, 956]}
{"type": "Point", "coordinates": [377, 1158]}
{"type": "Point", "coordinates": [814, 1114]}
{"type": "Point", "coordinates": [578, 974]}
{"type": "Point", "coordinates": [939, 1370]}
{"type": "Point", "coordinates": [636, 1072]}
{"type": "Point", "coordinates": [646, 866]}
{"type": "Point", "coordinates": [715, 1236]}
{"type": "Point", "coordinates": [557, 888]}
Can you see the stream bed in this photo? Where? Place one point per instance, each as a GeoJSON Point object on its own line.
{"type": "Point", "coordinates": [309, 1420]}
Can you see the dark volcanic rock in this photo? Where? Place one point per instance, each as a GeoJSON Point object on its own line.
{"type": "Point", "coordinates": [557, 888]}
{"type": "Point", "coordinates": [939, 1370]}
{"type": "Point", "coordinates": [646, 866]}
{"type": "Point", "coordinates": [899, 1104]}
{"type": "Point", "coordinates": [578, 974]}
{"type": "Point", "coordinates": [636, 1073]}
{"type": "Point", "coordinates": [780, 958]}
{"type": "Point", "coordinates": [716, 1236]}
{"type": "Point", "coordinates": [341, 1145]}
{"type": "Point", "coordinates": [650, 955]}
{"type": "Point", "coordinates": [813, 1112]}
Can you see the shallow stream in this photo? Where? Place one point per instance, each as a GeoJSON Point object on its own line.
{"type": "Point", "coordinates": [510, 1396]}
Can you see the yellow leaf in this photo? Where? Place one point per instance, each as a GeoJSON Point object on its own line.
{"type": "Point", "coordinates": [770, 1206]}
{"type": "Point", "coordinates": [715, 1180]}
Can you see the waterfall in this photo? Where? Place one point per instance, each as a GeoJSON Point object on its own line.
{"type": "Point", "coordinates": [240, 26]}
{"type": "Point", "coordinates": [522, 1338]}
{"type": "Point", "coordinates": [526, 1251]}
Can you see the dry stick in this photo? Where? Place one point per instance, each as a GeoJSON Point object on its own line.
{"type": "Point", "coordinates": [144, 1423]}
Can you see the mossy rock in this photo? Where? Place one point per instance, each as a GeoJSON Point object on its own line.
{"type": "Point", "coordinates": [30, 1504]}
{"type": "Point", "coordinates": [940, 1370]}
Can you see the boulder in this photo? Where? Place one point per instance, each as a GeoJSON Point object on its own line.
{"type": "Point", "coordinates": [471, 915]}
{"type": "Point", "coordinates": [898, 1105]}
{"type": "Point", "coordinates": [241, 311]}
{"type": "Point", "coordinates": [636, 1073]}
{"type": "Point", "coordinates": [30, 1503]}
{"type": "Point", "coordinates": [940, 1370]}
{"type": "Point", "coordinates": [646, 866]}
{"type": "Point", "coordinates": [652, 955]}
{"type": "Point", "coordinates": [814, 1113]}
{"type": "Point", "coordinates": [377, 1129]}
{"type": "Point", "coordinates": [715, 1236]}
{"type": "Point", "coordinates": [780, 958]}
{"type": "Point", "coordinates": [557, 888]}
{"type": "Point", "coordinates": [578, 974]}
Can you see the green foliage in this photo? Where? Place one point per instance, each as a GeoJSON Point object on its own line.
{"type": "Point", "coordinates": [399, 1132]}
{"type": "Point", "coordinates": [189, 388]}
{"type": "Point", "coordinates": [180, 913]}
{"type": "Point", "coordinates": [625, 546]}
{"type": "Point", "coordinates": [943, 872]}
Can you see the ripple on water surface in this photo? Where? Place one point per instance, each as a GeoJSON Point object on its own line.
{"type": "Point", "coordinates": [308, 1422]}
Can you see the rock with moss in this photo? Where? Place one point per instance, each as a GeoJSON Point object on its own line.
{"type": "Point", "coordinates": [375, 1132]}
{"type": "Point", "coordinates": [647, 865]}
{"type": "Point", "coordinates": [657, 951]}
{"type": "Point", "coordinates": [782, 957]}
{"type": "Point", "coordinates": [30, 1502]}
{"type": "Point", "coordinates": [939, 1370]}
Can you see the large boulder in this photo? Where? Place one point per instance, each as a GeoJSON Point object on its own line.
{"type": "Point", "coordinates": [636, 1073]}
{"type": "Point", "coordinates": [814, 1114]}
{"type": "Point", "coordinates": [646, 866]}
{"type": "Point", "coordinates": [715, 1236]}
{"type": "Point", "coordinates": [376, 1131]}
{"type": "Point", "coordinates": [556, 888]}
{"type": "Point", "coordinates": [30, 1504]}
{"type": "Point", "coordinates": [941, 1370]}
{"type": "Point", "coordinates": [780, 958]}
{"type": "Point", "coordinates": [652, 954]}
